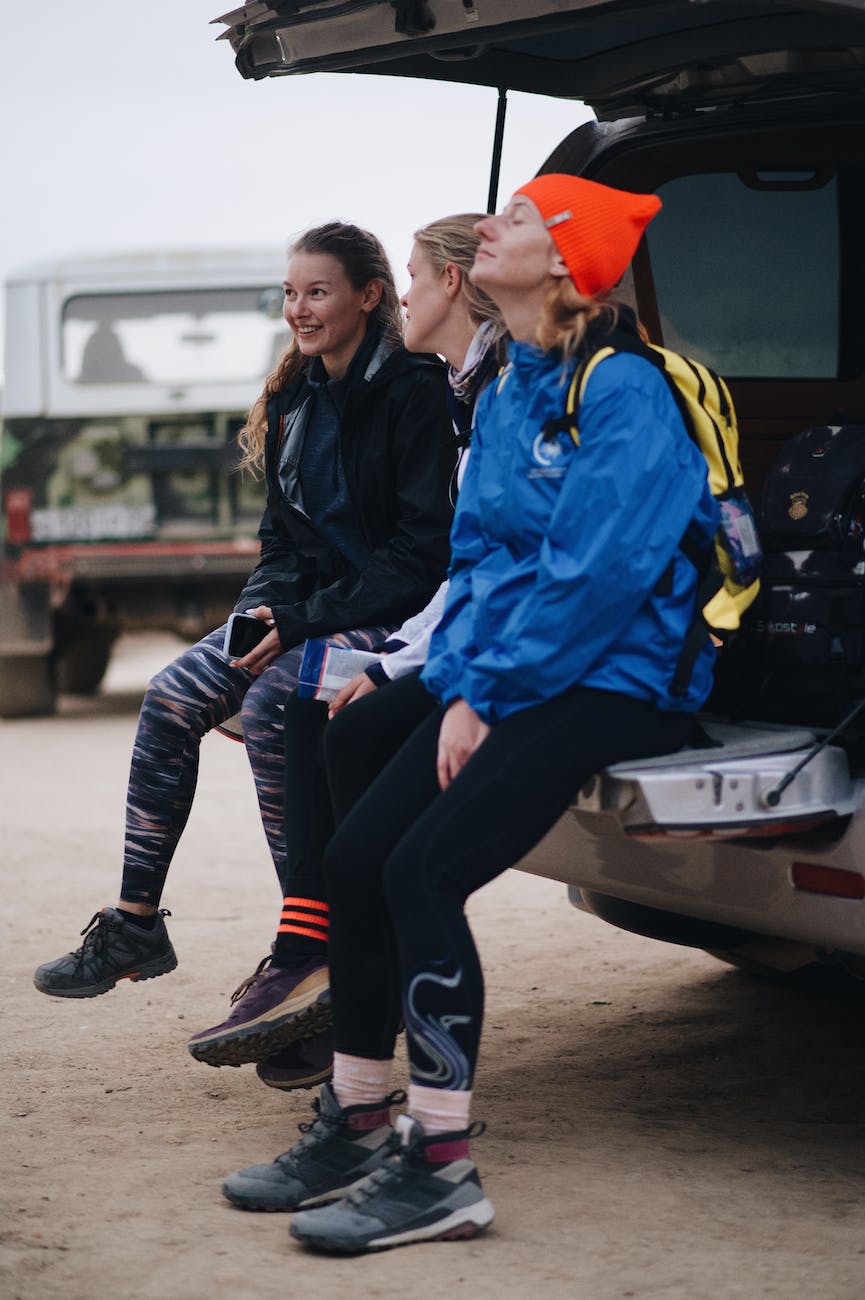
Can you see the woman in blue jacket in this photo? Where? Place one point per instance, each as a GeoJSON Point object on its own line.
{"type": "Point", "coordinates": [568, 604]}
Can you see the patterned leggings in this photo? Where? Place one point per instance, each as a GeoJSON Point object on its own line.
{"type": "Point", "coordinates": [199, 691]}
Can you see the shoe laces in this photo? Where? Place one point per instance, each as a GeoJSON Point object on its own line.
{"type": "Point", "coordinates": [400, 1158]}
{"type": "Point", "coordinates": [313, 1132]}
{"type": "Point", "coordinates": [410, 1153]}
{"type": "Point", "coordinates": [244, 987]}
{"type": "Point", "coordinates": [96, 933]}
{"type": "Point", "coordinates": [323, 1125]}
{"type": "Point", "coordinates": [387, 1173]}
{"type": "Point", "coordinates": [306, 1126]}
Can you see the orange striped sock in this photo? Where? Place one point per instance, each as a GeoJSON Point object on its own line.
{"type": "Point", "coordinates": [307, 917]}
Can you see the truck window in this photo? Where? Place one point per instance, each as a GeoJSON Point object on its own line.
{"type": "Point", "coordinates": [173, 338]}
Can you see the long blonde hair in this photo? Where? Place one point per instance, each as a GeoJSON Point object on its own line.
{"type": "Point", "coordinates": [363, 258]}
{"type": "Point", "coordinates": [454, 239]}
{"type": "Point", "coordinates": [566, 316]}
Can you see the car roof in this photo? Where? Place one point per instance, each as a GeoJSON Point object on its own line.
{"type": "Point", "coordinates": [623, 57]}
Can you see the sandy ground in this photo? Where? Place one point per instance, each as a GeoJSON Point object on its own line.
{"type": "Point", "coordinates": [659, 1126]}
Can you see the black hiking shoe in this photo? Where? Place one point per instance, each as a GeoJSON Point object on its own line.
{"type": "Point", "coordinates": [338, 1148]}
{"type": "Point", "coordinates": [411, 1197]}
{"type": "Point", "coordinates": [113, 949]}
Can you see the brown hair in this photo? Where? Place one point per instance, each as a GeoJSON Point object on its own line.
{"type": "Point", "coordinates": [454, 239]}
{"type": "Point", "coordinates": [363, 258]}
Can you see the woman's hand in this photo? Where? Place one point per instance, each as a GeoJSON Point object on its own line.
{"type": "Point", "coordinates": [268, 648]}
{"type": "Point", "coordinates": [353, 690]}
{"type": "Point", "coordinates": [462, 732]}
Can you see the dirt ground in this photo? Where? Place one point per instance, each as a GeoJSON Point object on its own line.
{"type": "Point", "coordinates": [658, 1126]}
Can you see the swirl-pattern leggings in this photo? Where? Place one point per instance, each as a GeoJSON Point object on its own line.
{"type": "Point", "coordinates": [407, 856]}
{"type": "Point", "coordinates": [197, 692]}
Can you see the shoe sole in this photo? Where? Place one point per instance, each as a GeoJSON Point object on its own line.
{"type": "Point", "coordinates": [249, 1044]}
{"type": "Point", "coordinates": [309, 1081]}
{"type": "Point", "coordinates": [148, 971]}
{"type": "Point", "coordinates": [469, 1221]}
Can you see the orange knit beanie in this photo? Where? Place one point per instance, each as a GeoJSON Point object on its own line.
{"type": "Point", "coordinates": [595, 228]}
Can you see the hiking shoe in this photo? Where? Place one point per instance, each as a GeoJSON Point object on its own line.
{"type": "Point", "coordinates": [271, 1009]}
{"type": "Point", "coordinates": [300, 1065]}
{"type": "Point", "coordinates": [114, 948]}
{"type": "Point", "coordinates": [427, 1190]}
{"type": "Point", "coordinates": [338, 1148]}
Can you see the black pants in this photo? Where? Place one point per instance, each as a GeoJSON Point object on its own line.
{"type": "Point", "coordinates": [405, 859]}
{"type": "Point", "coordinates": [380, 723]}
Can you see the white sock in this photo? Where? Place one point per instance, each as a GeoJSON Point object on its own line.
{"type": "Point", "coordinates": [440, 1110]}
{"type": "Point", "coordinates": [359, 1080]}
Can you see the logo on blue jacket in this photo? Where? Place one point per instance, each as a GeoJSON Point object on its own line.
{"type": "Point", "coordinates": [547, 453]}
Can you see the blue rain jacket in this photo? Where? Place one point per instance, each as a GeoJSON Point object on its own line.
{"type": "Point", "coordinates": [557, 550]}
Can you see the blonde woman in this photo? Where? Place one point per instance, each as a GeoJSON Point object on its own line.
{"type": "Point", "coordinates": [353, 437]}
{"type": "Point", "coordinates": [569, 599]}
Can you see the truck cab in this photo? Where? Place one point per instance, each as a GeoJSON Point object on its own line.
{"type": "Point", "coordinates": [127, 380]}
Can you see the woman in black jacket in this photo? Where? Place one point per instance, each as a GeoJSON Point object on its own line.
{"type": "Point", "coordinates": [280, 1016]}
{"type": "Point", "coordinates": [355, 442]}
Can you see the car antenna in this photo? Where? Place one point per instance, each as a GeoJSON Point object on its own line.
{"type": "Point", "coordinates": [498, 140]}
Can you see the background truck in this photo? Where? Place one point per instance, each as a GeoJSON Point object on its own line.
{"type": "Point", "coordinates": [127, 380]}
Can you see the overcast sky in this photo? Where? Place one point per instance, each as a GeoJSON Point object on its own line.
{"type": "Point", "coordinates": [127, 126]}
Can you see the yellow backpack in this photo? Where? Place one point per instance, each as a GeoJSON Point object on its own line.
{"type": "Point", "coordinates": [729, 572]}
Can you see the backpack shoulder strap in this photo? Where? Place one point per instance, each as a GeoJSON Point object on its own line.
{"type": "Point", "coordinates": [568, 423]}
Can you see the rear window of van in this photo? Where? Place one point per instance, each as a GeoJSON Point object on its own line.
{"type": "Point", "coordinates": [748, 272]}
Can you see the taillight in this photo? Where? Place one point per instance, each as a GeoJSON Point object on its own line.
{"type": "Point", "coordinates": [828, 880]}
{"type": "Point", "coordinates": [19, 502]}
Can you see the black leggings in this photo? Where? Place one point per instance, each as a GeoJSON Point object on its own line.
{"type": "Point", "coordinates": [403, 862]}
{"type": "Point", "coordinates": [380, 723]}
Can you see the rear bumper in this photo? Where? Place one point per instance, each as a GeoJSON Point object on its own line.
{"type": "Point", "coordinates": [745, 885]}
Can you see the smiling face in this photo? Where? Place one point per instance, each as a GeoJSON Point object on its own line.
{"type": "Point", "coordinates": [324, 311]}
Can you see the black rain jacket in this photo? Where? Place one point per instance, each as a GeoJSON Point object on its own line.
{"type": "Point", "coordinates": [398, 453]}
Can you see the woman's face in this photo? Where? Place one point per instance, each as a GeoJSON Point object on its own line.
{"type": "Point", "coordinates": [516, 253]}
{"type": "Point", "coordinates": [427, 303]}
{"type": "Point", "coordinates": [324, 311]}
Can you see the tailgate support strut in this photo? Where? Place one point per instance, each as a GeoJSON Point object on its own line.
{"type": "Point", "coordinates": [772, 797]}
{"type": "Point", "coordinates": [498, 140]}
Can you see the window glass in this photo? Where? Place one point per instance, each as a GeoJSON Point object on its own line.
{"type": "Point", "coordinates": [190, 337]}
{"type": "Point", "coordinates": [747, 273]}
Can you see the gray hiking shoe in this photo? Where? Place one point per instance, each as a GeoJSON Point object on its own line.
{"type": "Point", "coordinates": [428, 1190]}
{"type": "Point", "coordinates": [338, 1148]}
{"type": "Point", "coordinates": [272, 1008]}
{"type": "Point", "coordinates": [113, 949]}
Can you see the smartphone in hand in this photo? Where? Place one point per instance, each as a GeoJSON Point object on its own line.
{"type": "Point", "coordinates": [243, 633]}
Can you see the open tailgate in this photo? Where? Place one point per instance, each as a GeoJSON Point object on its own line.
{"type": "Point", "coordinates": [624, 57]}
